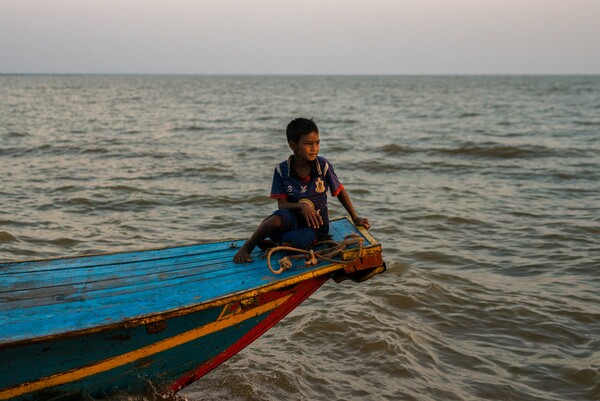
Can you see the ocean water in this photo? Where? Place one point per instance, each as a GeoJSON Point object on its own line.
{"type": "Point", "coordinates": [484, 191]}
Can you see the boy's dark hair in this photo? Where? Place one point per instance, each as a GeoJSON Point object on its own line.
{"type": "Point", "coordinates": [298, 127]}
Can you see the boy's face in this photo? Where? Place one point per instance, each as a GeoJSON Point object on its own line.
{"type": "Point", "coordinates": [307, 148]}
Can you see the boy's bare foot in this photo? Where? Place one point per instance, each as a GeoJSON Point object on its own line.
{"type": "Point", "coordinates": [242, 256]}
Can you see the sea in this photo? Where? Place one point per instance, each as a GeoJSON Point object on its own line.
{"type": "Point", "coordinates": [483, 190]}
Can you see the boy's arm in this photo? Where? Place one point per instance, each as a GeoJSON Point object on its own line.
{"type": "Point", "coordinates": [344, 199]}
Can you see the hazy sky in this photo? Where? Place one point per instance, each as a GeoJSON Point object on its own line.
{"type": "Point", "coordinates": [300, 36]}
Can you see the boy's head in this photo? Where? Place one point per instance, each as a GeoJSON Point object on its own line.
{"type": "Point", "coordinates": [298, 127]}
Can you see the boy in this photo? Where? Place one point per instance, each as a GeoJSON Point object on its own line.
{"type": "Point", "coordinates": [300, 186]}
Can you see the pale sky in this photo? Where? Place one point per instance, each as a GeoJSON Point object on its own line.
{"type": "Point", "coordinates": [300, 36]}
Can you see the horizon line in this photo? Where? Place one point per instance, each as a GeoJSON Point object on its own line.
{"type": "Point", "coordinates": [296, 74]}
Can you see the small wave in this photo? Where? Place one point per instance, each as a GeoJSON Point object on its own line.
{"type": "Point", "coordinates": [401, 301]}
{"type": "Point", "coordinates": [565, 176]}
{"type": "Point", "coordinates": [492, 151]}
{"type": "Point", "coordinates": [434, 256]}
{"type": "Point", "coordinates": [263, 118]}
{"type": "Point", "coordinates": [501, 151]}
{"type": "Point", "coordinates": [7, 237]}
{"type": "Point", "coordinates": [464, 220]}
{"type": "Point", "coordinates": [586, 377]}
{"type": "Point", "coordinates": [377, 166]}
{"type": "Point", "coordinates": [209, 173]}
{"type": "Point", "coordinates": [63, 242]}
{"type": "Point", "coordinates": [395, 149]}
{"type": "Point", "coordinates": [136, 204]}
{"type": "Point", "coordinates": [360, 191]}
{"type": "Point", "coordinates": [14, 151]}
{"type": "Point", "coordinates": [469, 115]}
{"type": "Point", "coordinates": [189, 128]}
{"type": "Point", "coordinates": [208, 200]}
{"type": "Point", "coordinates": [342, 121]}
{"type": "Point", "coordinates": [455, 220]}
{"type": "Point", "coordinates": [126, 188]}
{"type": "Point", "coordinates": [586, 123]}
{"type": "Point", "coordinates": [42, 150]}
{"type": "Point", "coordinates": [94, 151]}
{"type": "Point", "coordinates": [94, 205]}
{"type": "Point", "coordinates": [81, 201]}
{"type": "Point", "coordinates": [15, 134]}
{"type": "Point", "coordinates": [65, 188]}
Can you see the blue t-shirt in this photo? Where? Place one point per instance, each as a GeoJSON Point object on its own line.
{"type": "Point", "coordinates": [287, 184]}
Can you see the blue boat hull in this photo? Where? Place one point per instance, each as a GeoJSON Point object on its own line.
{"type": "Point", "coordinates": [127, 359]}
{"type": "Point", "coordinates": [170, 348]}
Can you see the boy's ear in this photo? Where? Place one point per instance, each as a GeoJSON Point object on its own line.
{"type": "Point", "coordinates": [292, 145]}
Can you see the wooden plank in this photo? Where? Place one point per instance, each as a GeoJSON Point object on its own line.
{"type": "Point", "coordinates": [115, 278]}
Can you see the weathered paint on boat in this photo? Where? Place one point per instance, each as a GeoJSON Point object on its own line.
{"type": "Point", "coordinates": [97, 324]}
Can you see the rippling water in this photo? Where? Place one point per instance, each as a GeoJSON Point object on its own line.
{"type": "Point", "coordinates": [484, 191]}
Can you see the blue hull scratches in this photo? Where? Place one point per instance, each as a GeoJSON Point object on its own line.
{"type": "Point", "coordinates": [99, 324]}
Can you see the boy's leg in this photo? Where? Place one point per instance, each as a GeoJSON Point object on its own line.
{"type": "Point", "coordinates": [301, 238]}
{"type": "Point", "coordinates": [266, 228]}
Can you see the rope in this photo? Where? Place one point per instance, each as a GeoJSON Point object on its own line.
{"type": "Point", "coordinates": [313, 257]}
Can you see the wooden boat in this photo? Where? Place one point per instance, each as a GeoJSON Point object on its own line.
{"type": "Point", "coordinates": [89, 326]}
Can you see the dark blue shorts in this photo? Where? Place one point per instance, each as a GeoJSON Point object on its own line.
{"type": "Point", "coordinates": [294, 231]}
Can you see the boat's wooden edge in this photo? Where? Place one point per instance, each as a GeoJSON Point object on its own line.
{"type": "Point", "coordinates": [365, 233]}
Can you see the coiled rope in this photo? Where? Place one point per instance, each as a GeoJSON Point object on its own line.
{"type": "Point", "coordinates": [312, 257]}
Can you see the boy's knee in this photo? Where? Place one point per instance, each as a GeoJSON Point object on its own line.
{"type": "Point", "coordinates": [286, 219]}
{"type": "Point", "coordinates": [302, 238]}
{"type": "Point", "coordinates": [274, 222]}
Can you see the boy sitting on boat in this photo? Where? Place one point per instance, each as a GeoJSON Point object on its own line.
{"type": "Point", "coordinates": [300, 186]}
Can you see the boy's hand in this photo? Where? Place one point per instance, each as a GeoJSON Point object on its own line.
{"type": "Point", "coordinates": [359, 221]}
{"type": "Point", "coordinates": [312, 216]}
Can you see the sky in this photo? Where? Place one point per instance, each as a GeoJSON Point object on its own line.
{"type": "Point", "coordinates": [345, 37]}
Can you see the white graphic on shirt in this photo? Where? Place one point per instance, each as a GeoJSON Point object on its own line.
{"type": "Point", "coordinates": [303, 188]}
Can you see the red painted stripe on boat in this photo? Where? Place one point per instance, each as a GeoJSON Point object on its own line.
{"type": "Point", "coordinates": [301, 292]}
